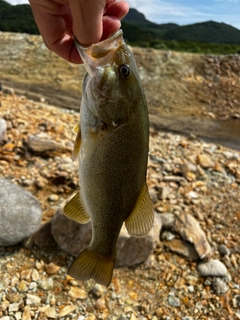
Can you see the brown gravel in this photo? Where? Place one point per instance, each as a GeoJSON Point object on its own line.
{"type": "Point", "coordinates": [184, 175]}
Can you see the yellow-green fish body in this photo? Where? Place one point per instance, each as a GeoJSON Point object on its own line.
{"type": "Point", "coordinates": [112, 144]}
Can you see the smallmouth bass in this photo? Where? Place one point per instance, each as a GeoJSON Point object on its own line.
{"type": "Point", "coordinates": [112, 146]}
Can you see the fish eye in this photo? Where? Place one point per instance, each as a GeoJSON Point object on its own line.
{"type": "Point", "coordinates": [124, 71]}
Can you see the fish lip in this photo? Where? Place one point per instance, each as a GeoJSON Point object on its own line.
{"type": "Point", "coordinates": [104, 42]}
{"type": "Point", "coordinates": [97, 55]}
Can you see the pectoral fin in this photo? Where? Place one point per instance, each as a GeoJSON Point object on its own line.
{"type": "Point", "coordinates": [77, 142]}
{"type": "Point", "coordinates": [74, 210]}
{"type": "Point", "coordinates": [140, 221]}
{"type": "Point", "coordinates": [89, 144]}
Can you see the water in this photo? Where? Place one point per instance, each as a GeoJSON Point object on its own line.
{"type": "Point", "coordinates": [226, 133]}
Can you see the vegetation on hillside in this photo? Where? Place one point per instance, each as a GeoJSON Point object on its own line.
{"type": "Point", "coordinates": [206, 37]}
{"type": "Point", "coordinates": [17, 18]}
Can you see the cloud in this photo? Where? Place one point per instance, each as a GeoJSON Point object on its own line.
{"type": "Point", "coordinates": [174, 11]}
{"type": "Point", "coordinates": [187, 12]}
{"type": "Point", "coordinates": [14, 2]}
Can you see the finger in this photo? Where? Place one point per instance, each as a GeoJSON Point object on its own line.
{"type": "Point", "coordinates": [117, 9]}
{"type": "Point", "coordinates": [53, 31]}
{"type": "Point", "coordinates": [87, 20]}
{"type": "Point", "coordinates": [110, 26]}
{"type": "Point", "coordinates": [112, 17]}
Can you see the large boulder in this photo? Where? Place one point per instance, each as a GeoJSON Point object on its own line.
{"type": "Point", "coordinates": [20, 213]}
{"type": "Point", "coordinates": [73, 238]}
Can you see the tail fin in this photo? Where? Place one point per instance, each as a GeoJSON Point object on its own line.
{"type": "Point", "coordinates": [90, 264]}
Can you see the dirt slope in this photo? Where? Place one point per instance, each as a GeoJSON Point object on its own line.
{"type": "Point", "coordinates": [181, 89]}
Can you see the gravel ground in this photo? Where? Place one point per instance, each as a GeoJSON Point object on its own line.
{"type": "Point", "coordinates": [185, 174]}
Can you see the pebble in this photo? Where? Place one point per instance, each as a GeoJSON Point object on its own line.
{"type": "Point", "coordinates": [205, 161]}
{"type": "Point", "coordinates": [214, 268]}
{"type": "Point", "coordinates": [219, 286]}
{"type": "Point", "coordinates": [35, 275]}
{"type": "Point", "coordinates": [174, 301]}
{"type": "Point", "coordinates": [14, 307]}
{"type": "Point", "coordinates": [98, 290]}
{"type": "Point", "coordinates": [77, 293]}
{"type": "Point", "coordinates": [32, 286]}
{"type": "Point", "coordinates": [223, 250]}
{"type": "Point", "coordinates": [22, 286]}
{"type": "Point", "coordinates": [168, 220]}
{"type": "Point", "coordinates": [3, 129]}
{"type": "Point", "coordinates": [53, 198]}
{"type": "Point", "coordinates": [26, 313]}
{"type": "Point", "coordinates": [41, 144]}
{"type": "Point", "coordinates": [46, 284]}
{"type": "Point", "coordinates": [67, 310]}
{"type": "Point", "coordinates": [33, 299]}
{"type": "Point", "coordinates": [100, 304]}
{"type": "Point", "coordinates": [182, 247]}
{"type": "Point", "coordinates": [52, 268]}
{"type": "Point", "coordinates": [13, 297]}
{"type": "Point", "coordinates": [51, 313]}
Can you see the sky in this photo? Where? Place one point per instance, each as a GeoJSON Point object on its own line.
{"type": "Point", "coordinates": [184, 12]}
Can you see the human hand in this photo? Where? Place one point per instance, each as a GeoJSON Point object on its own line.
{"type": "Point", "coordinates": [89, 20]}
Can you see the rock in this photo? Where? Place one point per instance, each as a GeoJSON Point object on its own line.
{"type": "Point", "coordinates": [100, 304]}
{"type": "Point", "coordinates": [167, 235]}
{"type": "Point", "coordinates": [223, 250]}
{"type": "Point", "coordinates": [77, 293]}
{"type": "Point", "coordinates": [46, 284]}
{"type": "Point", "coordinates": [73, 238]}
{"type": "Point", "coordinates": [43, 238]}
{"type": "Point", "coordinates": [182, 247]}
{"type": "Point", "coordinates": [42, 145]}
{"type": "Point", "coordinates": [3, 129]}
{"type": "Point", "coordinates": [69, 235]}
{"type": "Point", "coordinates": [22, 286]}
{"type": "Point", "coordinates": [26, 313]}
{"type": "Point", "coordinates": [205, 161]}
{"type": "Point", "coordinates": [51, 313]}
{"type": "Point", "coordinates": [168, 220]}
{"type": "Point", "coordinates": [32, 299]}
{"type": "Point", "coordinates": [174, 301]}
{"type": "Point", "coordinates": [189, 229]}
{"type": "Point", "coordinates": [20, 213]}
{"type": "Point", "coordinates": [52, 268]}
{"type": "Point", "coordinates": [66, 310]}
{"type": "Point", "coordinates": [132, 250]}
{"type": "Point", "coordinates": [53, 198]}
{"type": "Point", "coordinates": [219, 286]}
{"type": "Point", "coordinates": [214, 268]}
{"type": "Point", "coordinates": [14, 307]}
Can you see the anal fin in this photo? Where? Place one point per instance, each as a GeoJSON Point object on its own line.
{"type": "Point", "coordinates": [74, 210]}
{"type": "Point", "coordinates": [140, 221]}
{"type": "Point", "coordinates": [90, 264]}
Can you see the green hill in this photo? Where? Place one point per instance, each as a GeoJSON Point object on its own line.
{"type": "Point", "coordinates": [138, 20]}
{"type": "Point", "coordinates": [210, 32]}
{"type": "Point", "coordinates": [17, 18]}
{"type": "Point", "coordinates": [205, 32]}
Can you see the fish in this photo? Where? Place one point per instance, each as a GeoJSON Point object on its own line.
{"type": "Point", "coordinates": [112, 144]}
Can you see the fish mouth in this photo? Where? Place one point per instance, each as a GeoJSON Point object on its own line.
{"type": "Point", "coordinates": [101, 53]}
